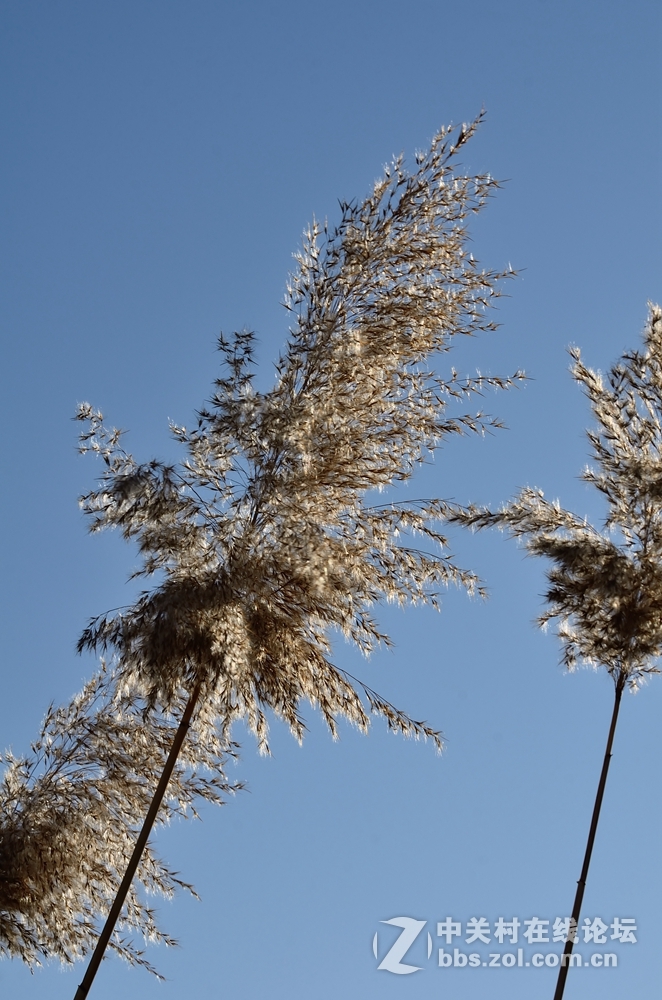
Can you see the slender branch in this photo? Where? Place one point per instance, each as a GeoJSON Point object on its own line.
{"type": "Point", "coordinates": [116, 909]}
{"type": "Point", "coordinates": [581, 884]}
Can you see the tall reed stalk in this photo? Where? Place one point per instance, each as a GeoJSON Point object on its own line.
{"type": "Point", "coordinates": [581, 884]}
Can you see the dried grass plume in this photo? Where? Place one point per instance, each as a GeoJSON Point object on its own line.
{"type": "Point", "coordinates": [266, 537]}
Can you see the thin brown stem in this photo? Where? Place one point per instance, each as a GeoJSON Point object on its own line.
{"type": "Point", "coordinates": [581, 884]}
{"type": "Point", "coordinates": [116, 909]}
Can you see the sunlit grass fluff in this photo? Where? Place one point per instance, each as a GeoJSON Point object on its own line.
{"type": "Point", "coordinates": [266, 537]}
{"type": "Point", "coordinates": [605, 585]}
{"type": "Point", "coordinates": [68, 817]}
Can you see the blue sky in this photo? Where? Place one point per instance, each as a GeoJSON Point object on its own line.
{"type": "Point", "coordinates": [160, 162]}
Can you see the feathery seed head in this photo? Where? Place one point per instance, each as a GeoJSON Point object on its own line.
{"type": "Point", "coordinates": [605, 587]}
{"type": "Point", "coordinates": [263, 537]}
{"type": "Point", "coordinates": [69, 813]}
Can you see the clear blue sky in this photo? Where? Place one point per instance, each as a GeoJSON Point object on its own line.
{"type": "Point", "coordinates": [160, 160]}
